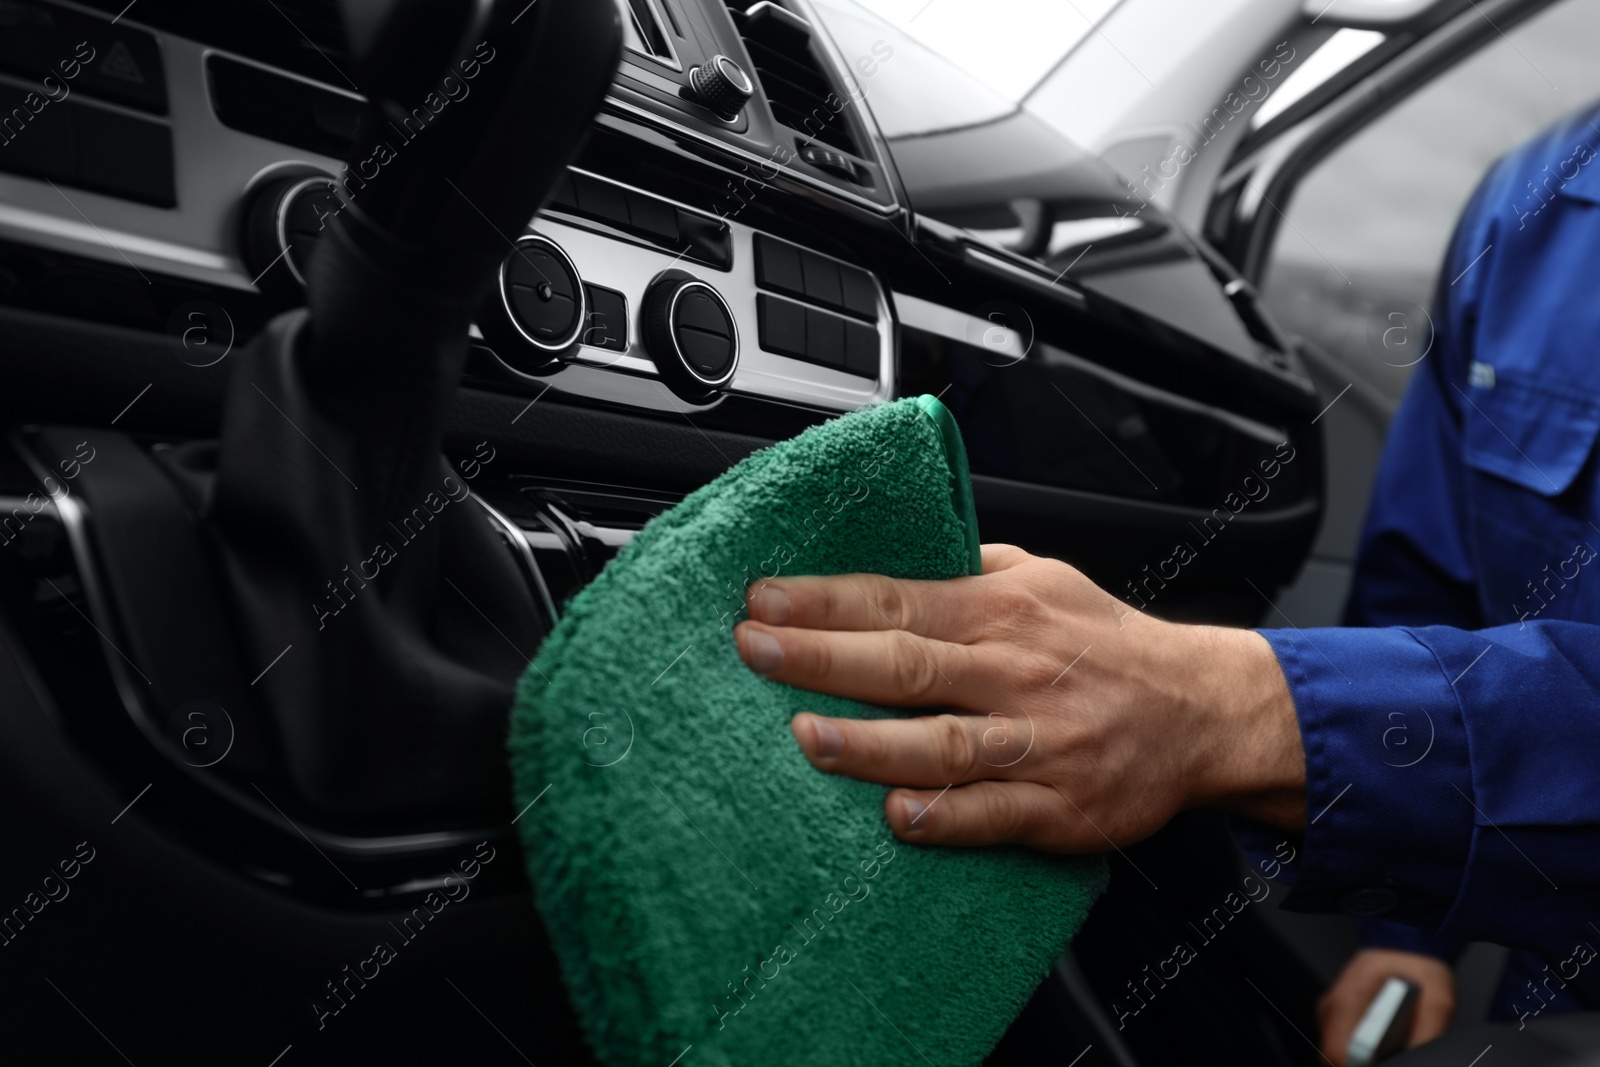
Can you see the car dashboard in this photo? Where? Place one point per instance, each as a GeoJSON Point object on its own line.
{"type": "Point", "coordinates": [713, 273]}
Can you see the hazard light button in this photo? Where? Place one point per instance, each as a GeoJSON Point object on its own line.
{"type": "Point", "coordinates": [65, 52]}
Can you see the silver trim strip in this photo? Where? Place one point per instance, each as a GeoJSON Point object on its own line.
{"type": "Point", "coordinates": [519, 542]}
{"type": "Point", "coordinates": [74, 519]}
{"type": "Point", "coordinates": [281, 223]}
{"type": "Point", "coordinates": [662, 122]}
{"type": "Point", "coordinates": [953, 325]}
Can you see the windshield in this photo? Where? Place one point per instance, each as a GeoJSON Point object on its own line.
{"type": "Point", "coordinates": [1008, 45]}
{"type": "Point", "coordinates": [956, 63]}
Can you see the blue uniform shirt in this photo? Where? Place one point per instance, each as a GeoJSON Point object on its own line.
{"type": "Point", "coordinates": [1453, 755]}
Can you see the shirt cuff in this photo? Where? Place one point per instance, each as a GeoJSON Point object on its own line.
{"type": "Point", "coordinates": [1389, 812]}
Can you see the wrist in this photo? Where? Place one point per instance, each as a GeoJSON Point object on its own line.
{"type": "Point", "coordinates": [1246, 752]}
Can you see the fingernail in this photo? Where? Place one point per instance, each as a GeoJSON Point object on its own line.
{"type": "Point", "coordinates": [914, 810]}
{"type": "Point", "coordinates": [762, 651]}
{"type": "Point", "coordinates": [771, 604]}
{"type": "Point", "coordinates": [830, 742]}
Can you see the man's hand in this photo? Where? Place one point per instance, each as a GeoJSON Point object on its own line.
{"type": "Point", "coordinates": [1073, 722]}
{"type": "Point", "coordinates": [1342, 1006]}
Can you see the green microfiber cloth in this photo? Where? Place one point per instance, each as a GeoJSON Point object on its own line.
{"type": "Point", "coordinates": [703, 885]}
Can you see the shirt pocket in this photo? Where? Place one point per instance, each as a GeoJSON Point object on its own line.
{"type": "Point", "coordinates": [1527, 445]}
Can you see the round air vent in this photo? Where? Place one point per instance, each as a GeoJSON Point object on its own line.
{"type": "Point", "coordinates": [690, 334]}
{"type": "Point", "coordinates": [543, 294]}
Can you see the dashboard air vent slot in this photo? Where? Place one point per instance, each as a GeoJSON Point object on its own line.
{"type": "Point", "coordinates": [644, 33]}
{"type": "Point", "coordinates": [792, 75]}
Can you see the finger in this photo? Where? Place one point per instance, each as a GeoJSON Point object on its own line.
{"type": "Point", "coordinates": [981, 813]}
{"type": "Point", "coordinates": [1338, 1016]}
{"type": "Point", "coordinates": [883, 667]}
{"type": "Point", "coordinates": [1433, 1017]}
{"type": "Point", "coordinates": [941, 610]}
{"type": "Point", "coordinates": [1341, 1009]}
{"type": "Point", "coordinates": [932, 751]}
{"type": "Point", "coordinates": [999, 557]}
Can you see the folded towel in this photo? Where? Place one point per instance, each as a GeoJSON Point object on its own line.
{"type": "Point", "coordinates": [703, 884]}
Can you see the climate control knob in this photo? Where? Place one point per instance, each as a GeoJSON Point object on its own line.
{"type": "Point", "coordinates": [690, 333]}
{"type": "Point", "coordinates": [723, 86]}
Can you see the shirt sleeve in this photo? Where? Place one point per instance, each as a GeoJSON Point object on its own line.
{"type": "Point", "coordinates": [1450, 777]}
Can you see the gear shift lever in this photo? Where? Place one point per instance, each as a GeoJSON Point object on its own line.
{"type": "Point", "coordinates": [349, 554]}
{"type": "Point", "coordinates": [343, 532]}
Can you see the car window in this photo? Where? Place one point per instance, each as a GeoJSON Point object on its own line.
{"type": "Point", "coordinates": [1365, 231]}
{"type": "Point", "coordinates": [1353, 265]}
{"type": "Point", "coordinates": [1336, 53]}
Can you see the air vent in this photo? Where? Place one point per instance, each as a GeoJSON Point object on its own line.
{"type": "Point", "coordinates": [793, 76]}
{"type": "Point", "coordinates": [642, 31]}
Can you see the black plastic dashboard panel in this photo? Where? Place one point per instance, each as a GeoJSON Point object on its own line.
{"type": "Point", "coordinates": [293, 111]}
{"type": "Point", "coordinates": [85, 146]}
{"type": "Point", "coordinates": [1165, 417]}
{"type": "Point", "coordinates": [61, 51]}
{"type": "Point", "coordinates": [645, 216]}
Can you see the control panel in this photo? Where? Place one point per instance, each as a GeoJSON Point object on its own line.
{"type": "Point", "coordinates": [683, 306]}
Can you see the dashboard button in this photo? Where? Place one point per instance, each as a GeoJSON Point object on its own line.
{"type": "Point", "coordinates": [41, 145]}
{"type": "Point", "coordinates": [832, 161]}
{"type": "Point", "coordinates": [860, 294]}
{"type": "Point", "coordinates": [86, 146]}
{"type": "Point", "coordinates": [706, 240]}
{"type": "Point", "coordinates": [824, 338]}
{"type": "Point", "coordinates": [125, 156]}
{"type": "Point", "coordinates": [655, 218]}
{"type": "Point", "coordinates": [82, 53]}
{"type": "Point", "coordinates": [778, 266]}
{"type": "Point", "coordinates": [785, 268]}
{"type": "Point", "coordinates": [782, 326]}
{"type": "Point", "coordinates": [600, 200]}
{"type": "Point", "coordinates": [861, 349]}
{"type": "Point", "coordinates": [822, 280]}
{"type": "Point", "coordinates": [608, 319]}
